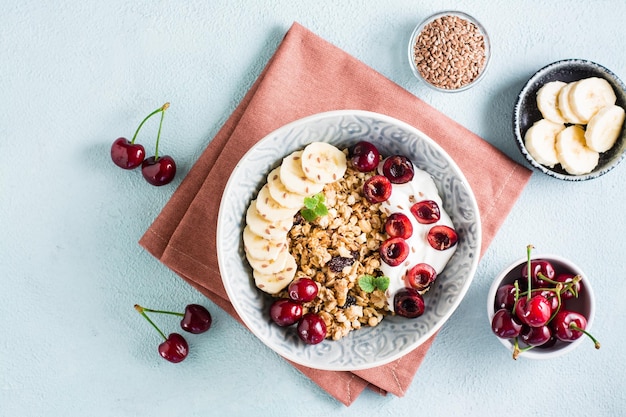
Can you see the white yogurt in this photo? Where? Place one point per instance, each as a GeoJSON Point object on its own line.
{"type": "Point", "coordinates": [403, 196]}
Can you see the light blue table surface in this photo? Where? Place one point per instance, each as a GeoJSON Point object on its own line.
{"type": "Point", "coordinates": [75, 75]}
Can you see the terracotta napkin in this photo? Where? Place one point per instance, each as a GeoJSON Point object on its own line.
{"type": "Point", "coordinates": [308, 75]}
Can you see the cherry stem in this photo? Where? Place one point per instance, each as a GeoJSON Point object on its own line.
{"type": "Point", "coordinates": [149, 310]}
{"type": "Point", "coordinates": [141, 311]}
{"type": "Point", "coordinates": [159, 110]}
{"type": "Point", "coordinates": [156, 150]}
{"type": "Point", "coordinates": [529, 249]}
{"type": "Point", "coordinates": [573, 326]}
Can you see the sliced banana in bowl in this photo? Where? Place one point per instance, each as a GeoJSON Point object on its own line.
{"type": "Point", "coordinates": [572, 93]}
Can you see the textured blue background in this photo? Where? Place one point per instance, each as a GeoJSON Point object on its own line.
{"type": "Point", "coordinates": [75, 75]}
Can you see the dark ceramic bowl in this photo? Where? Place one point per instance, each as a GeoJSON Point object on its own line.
{"type": "Point", "coordinates": [526, 113]}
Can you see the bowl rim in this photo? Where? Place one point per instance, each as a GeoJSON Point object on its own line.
{"type": "Point", "coordinates": [418, 29]}
{"type": "Point", "coordinates": [519, 140]}
{"type": "Point", "coordinates": [533, 353]}
{"type": "Point", "coordinates": [452, 308]}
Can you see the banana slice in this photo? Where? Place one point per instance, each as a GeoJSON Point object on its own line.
{"type": "Point", "coordinates": [269, 209]}
{"type": "Point", "coordinates": [323, 162]}
{"type": "Point", "coordinates": [540, 141]}
{"type": "Point", "coordinates": [604, 128]}
{"type": "Point", "coordinates": [563, 102]}
{"type": "Point", "coordinates": [573, 153]}
{"type": "Point", "coordinates": [270, 230]}
{"type": "Point", "coordinates": [547, 101]}
{"type": "Point", "coordinates": [293, 178]}
{"type": "Point", "coordinates": [589, 95]}
{"type": "Point", "coordinates": [282, 195]}
{"type": "Point", "coordinates": [271, 266]}
{"type": "Point", "coordinates": [273, 283]}
{"type": "Point", "coordinates": [260, 248]}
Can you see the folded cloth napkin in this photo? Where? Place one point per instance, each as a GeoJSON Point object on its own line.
{"type": "Point", "coordinates": [308, 75]}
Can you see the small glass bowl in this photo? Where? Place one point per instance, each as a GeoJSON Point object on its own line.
{"type": "Point", "coordinates": [418, 30]}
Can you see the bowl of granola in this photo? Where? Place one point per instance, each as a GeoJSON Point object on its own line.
{"type": "Point", "coordinates": [312, 254]}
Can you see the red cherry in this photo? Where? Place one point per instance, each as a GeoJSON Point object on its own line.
{"type": "Point", "coordinates": [552, 299]}
{"type": "Point", "coordinates": [534, 312]}
{"type": "Point", "coordinates": [285, 312]}
{"type": "Point", "coordinates": [159, 171]}
{"type": "Point", "coordinates": [398, 225]}
{"type": "Point", "coordinates": [505, 297]}
{"type": "Point", "coordinates": [127, 155]}
{"type": "Point", "coordinates": [394, 251]}
{"type": "Point", "coordinates": [174, 348]}
{"type": "Point", "coordinates": [312, 329]}
{"type": "Point", "coordinates": [571, 292]}
{"type": "Point", "coordinates": [442, 237]}
{"type": "Point", "coordinates": [538, 266]}
{"type": "Point", "coordinates": [303, 290]}
{"type": "Point", "coordinates": [365, 157]}
{"type": "Point", "coordinates": [408, 303]}
{"type": "Point", "coordinates": [196, 319]}
{"type": "Point", "coordinates": [505, 325]}
{"type": "Point", "coordinates": [399, 169]}
{"type": "Point", "coordinates": [421, 277]}
{"type": "Point", "coordinates": [536, 336]}
{"type": "Point", "coordinates": [426, 211]}
{"type": "Point", "coordinates": [377, 189]}
{"type": "Point", "coordinates": [564, 322]}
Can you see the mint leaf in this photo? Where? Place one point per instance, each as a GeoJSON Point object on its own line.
{"type": "Point", "coordinates": [320, 210]}
{"type": "Point", "coordinates": [308, 214]}
{"type": "Point", "coordinates": [382, 283]}
{"type": "Point", "coordinates": [310, 203]}
{"type": "Point", "coordinates": [366, 282]}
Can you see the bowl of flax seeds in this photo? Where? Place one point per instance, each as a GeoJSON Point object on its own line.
{"type": "Point", "coordinates": [449, 51]}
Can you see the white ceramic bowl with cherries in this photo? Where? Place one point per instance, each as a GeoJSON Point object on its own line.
{"type": "Point", "coordinates": [548, 326]}
{"type": "Point", "coordinates": [394, 336]}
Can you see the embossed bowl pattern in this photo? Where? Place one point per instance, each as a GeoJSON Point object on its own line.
{"type": "Point", "coordinates": [394, 336]}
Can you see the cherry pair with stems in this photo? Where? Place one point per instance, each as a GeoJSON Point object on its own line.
{"type": "Point", "coordinates": [157, 170]}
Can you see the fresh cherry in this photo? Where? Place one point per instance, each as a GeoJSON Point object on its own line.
{"type": "Point", "coordinates": [442, 237]}
{"type": "Point", "coordinates": [534, 311]}
{"type": "Point", "coordinates": [394, 251]}
{"type": "Point", "coordinates": [196, 319]}
{"type": "Point", "coordinates": [426, 211]}
{"type": "Point", "coordinates": [568, 325]}
{"type": "Point", "coordinates": [573, 290]}
{"type": "Point", "coordinates": [159, 170]}
{"type": "Point", "coordinates": [536, 336]}
{"type": "Point", "coordinates": [408, 303]}
{"type": "Point", "coordinates": [505, 325]}
{"type": "Point", "coordinates": [312, 329]}
{"type": "Point", "coordinates": [538, 267]}
{"type": "Point", "coordinates": [303, 290]}
{"type": "Point", "coordinates": [174, 348]}
{"type": "Point", "coordinates": [285, 312]}
{"type": "Point", "coordinates": [399, 169]}
{"type": "Point", "coordinates": [398, 225]}
{"type": "Point", "coordinates": [505, 297]}
{"type": "Point", "coordinates": [552, 298]}
{"type": "Point", "coordinates": [365, 157]}
{"type": "Point", "coordinates": [126, 154]}
{"type": "Point", "coordinates": [377, 189]}
{"type": "Point", "coordinates": [421, 276]}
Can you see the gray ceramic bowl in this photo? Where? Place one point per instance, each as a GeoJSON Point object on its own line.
{"type": "Point", "coordinates": [584, 304]}
{"type": "Point", "coordinates": [526, 113]}
{"type": "Point", "coordinates": [394, 336]}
